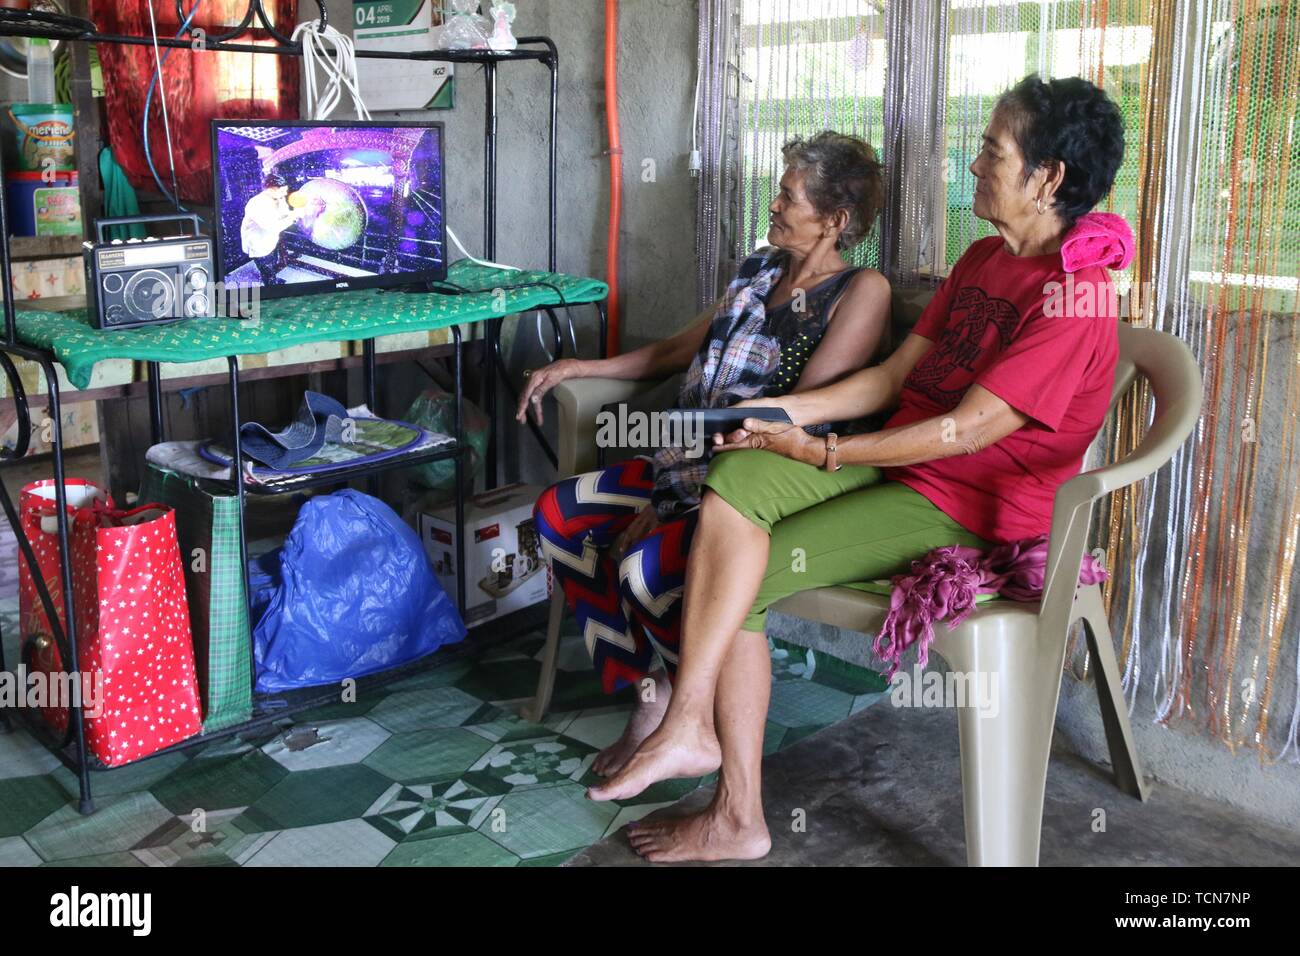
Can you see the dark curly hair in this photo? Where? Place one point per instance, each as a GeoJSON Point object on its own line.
{"type": "Point", "coordinates": [1072, 121]}
{"type": "Point", "coordinates": [274, 181]}
{"type": "Point", "coordinates": [840, 172]}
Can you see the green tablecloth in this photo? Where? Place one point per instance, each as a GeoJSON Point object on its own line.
{"type": "Point", "coordinates": [339, 316]}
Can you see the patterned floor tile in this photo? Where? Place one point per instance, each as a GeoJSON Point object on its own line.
{"type": "Point", "coordinates": [774, 737]}
{"type": "Point", "coordinates": [118, 824]}
{"type": "Point", "coordinates": [791, 664]}
{"type": "Point", "coordinates": [308, 798]}
{"type": "Point", "coordinates": [582, 690]}
{"type": "Point", "coordinates": [797, 703]}
{"type": "Point", "coordinates": [551, 859]}
{"type": "Point", "coordinates": [421, 811]}
{"type": "Point", "coordinates": [413, 710]}
{"type": "Point", "coordinates": [573, 654]}
{"type": "Point", "coordinates": [795, 734]}
{"type": "Point", "coordinates": [344, 710]}
{"type": "Point", "coordinates": [502, 724]}
{"type": "Point", "coordinates": [438, 769]}
{"type": "Point", "coordinates": [129, 779]}
{"type": "Point", "coordinates": [345, 843]}
{"type": "Point", "coordinates": [21, 755]}
{"type": "Point", "coordinates": [503, 681]}
{"type": "Point", "coordinates": [598, 727]}
{"type": "Point", "coordinates": [534, 823]}
{"type": "Point", "coordinates": [15, 851]}
{"type": "Point", "coordinates": [442, 676]}
{"type": "Point", "coordinates": [534, 763]}
{"type": "Point", "coordinates": [665, 791]}
{"type": "Point", "coordinates": [428, 754]}
{"type": "Point", "coordinates": [863, 701]}
{"type": "Point", "coordinates": [309, 745]}
{"type": "Point", "coordinates": [102, 861]}
{"type": "Point", "coordinates": [26, 801]}
{"type": "Point", "coordinates": [219, 783]}
{"type": "Point", "coordinates": [216, 840]}
{"type": "Point", "coordinates": [510, 651]}
{"type": "Point", "coordinates": [463, 849]}
{"type": "Point", "coordinates": [627, 815]}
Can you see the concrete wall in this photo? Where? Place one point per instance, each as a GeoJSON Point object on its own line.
{"type": "Point", "coordinates": [657, 45]}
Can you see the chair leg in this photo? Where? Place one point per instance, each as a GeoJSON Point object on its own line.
{"type": "Point", "coordinates": [1006, 740]}
{"type": "Point", "coordinates": [535, 710]}
{"type": "Point", "coordinates": [1110, 695]}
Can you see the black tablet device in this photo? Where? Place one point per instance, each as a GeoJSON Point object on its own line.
{"type": "Point", "coordinates": [726, 420]}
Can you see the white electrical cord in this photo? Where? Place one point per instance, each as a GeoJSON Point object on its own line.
{"type": "Point", "coordinates": [337, 58]}
{"type": "Point", "coordinates": [478, 262]}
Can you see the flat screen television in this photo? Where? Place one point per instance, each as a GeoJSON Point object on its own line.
{"type": "Point", "coordinates": [304, 207]}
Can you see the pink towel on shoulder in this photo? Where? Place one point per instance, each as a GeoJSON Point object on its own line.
{"type": "Point", "coordinates": [1098, 239]}
{"type": "Point", "coordinates": [942, 587]}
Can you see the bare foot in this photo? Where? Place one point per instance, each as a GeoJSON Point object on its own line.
{"type": "Point", "coordinates": [712, 834]}
{"type": "Point", "coordinates": [643, 721]}
{"type": "Point", "coordinates": [686, 749]}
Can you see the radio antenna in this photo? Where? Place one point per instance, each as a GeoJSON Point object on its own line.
{"type": "Point", "coordinates": [162, 87]}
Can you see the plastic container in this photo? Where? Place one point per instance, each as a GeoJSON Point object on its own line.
{"type": "Point", "coordinates": [41, 132]}
{"type": "Point", "coordinates": [40, 71]}
{"type": "Point", "coordinates": [44, 204]}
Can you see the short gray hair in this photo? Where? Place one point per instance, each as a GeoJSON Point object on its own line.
{"type": "Point", "coordinates": [840, 172]}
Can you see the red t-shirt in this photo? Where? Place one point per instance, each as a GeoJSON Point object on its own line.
{"type": "Point", "coordinates": [1048, 351]}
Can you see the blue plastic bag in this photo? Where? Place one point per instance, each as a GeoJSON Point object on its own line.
{"type": "Point", "coordinates": [349, 593]}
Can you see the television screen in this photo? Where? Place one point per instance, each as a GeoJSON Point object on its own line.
{"type": "Point", "coordinates": [306, 207]}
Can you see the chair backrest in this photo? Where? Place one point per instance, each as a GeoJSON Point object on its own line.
{"type": "Point", "coordinates": [1167, 364]}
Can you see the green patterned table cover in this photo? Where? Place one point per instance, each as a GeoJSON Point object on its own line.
{"type": "Point", "coordinates": [334, 317]}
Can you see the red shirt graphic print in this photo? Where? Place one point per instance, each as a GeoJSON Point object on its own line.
{"type": "Point", "coordinates": [992, 327]}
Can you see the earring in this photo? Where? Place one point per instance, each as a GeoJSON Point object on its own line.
{"type": "Point", "coordinates": [1038, 203]}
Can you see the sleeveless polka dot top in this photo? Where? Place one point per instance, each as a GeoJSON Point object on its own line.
{"type": "Point", "coordinates": [800, 331]}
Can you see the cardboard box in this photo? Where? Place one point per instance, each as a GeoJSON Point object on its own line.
{"type": "Point", "coordinates": [503, 552]}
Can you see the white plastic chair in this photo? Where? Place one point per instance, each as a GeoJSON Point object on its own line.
{"type": "Point", "coordinates": [1004, 757]}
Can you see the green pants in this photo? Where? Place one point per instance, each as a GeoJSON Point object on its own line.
{"type": "Point", "coordinates": [829, 528]}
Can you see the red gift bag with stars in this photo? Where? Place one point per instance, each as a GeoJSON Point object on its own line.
{"type": "Point", "coordinates": [36, 514]}
{"type": "Point", "coordinates": [133, 633]}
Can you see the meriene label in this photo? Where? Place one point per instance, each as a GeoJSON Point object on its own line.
{"type": "Point", "coordinates": [635, 429]}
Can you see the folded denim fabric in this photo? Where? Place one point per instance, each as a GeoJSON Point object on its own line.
{"type": "Point", "coordinates": [320, 419]}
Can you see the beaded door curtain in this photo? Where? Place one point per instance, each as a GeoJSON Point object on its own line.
{"type": "Point", "coordinates": [1204, 551]}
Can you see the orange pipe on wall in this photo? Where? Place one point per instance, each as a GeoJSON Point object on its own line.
{"type": "Point", "coordinates": [615, 171]}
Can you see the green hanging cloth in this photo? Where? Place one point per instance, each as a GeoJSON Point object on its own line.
{"type": "Point", "coordinates": [119, 197]}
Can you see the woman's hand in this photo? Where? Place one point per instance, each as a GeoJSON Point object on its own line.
{"type": "Point", "coordinates": [538, 383]}
{"type": "Point", "coordinates": [788, 440]}
{"type": "Point", "coordinates": [646, 520]}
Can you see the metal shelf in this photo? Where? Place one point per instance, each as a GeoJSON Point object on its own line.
{"type": "Point", "coordinates": [339, 474]}
{"type": "Point", "coordinates": [255, 25]}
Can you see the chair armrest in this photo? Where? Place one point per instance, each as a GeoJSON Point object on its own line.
{"type": "Point", "coordinates": [1175, 379]}
{"type": "Point", "coordinates": [579, 400]}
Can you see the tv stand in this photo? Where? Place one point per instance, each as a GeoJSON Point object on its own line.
{"type": "Point", "coordinates": [39, 338]}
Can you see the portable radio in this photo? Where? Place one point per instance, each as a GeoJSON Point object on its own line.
{"type": "Point", "coordinates": [134, 282]}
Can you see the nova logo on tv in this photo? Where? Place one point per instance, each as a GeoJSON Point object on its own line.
{"type": "Point", "coordinates": [77, 909]}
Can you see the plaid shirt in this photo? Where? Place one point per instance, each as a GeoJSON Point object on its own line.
{"type": "Point", "coordinates": [735, 362]}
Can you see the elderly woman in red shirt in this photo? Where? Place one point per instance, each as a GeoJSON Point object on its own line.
{"type": "Point", "coordinates": [997, 396]}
